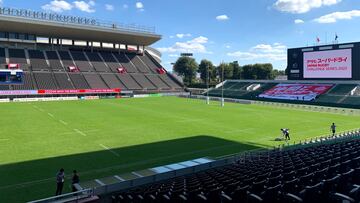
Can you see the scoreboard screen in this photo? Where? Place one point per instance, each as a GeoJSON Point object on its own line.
{"type": "Point", "coordinates": [327, 62]}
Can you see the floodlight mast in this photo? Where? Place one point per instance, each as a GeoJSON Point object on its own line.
{"type": "Point", "coordinates": [222, 87]}
{"type": "Point", "coordinates": [207, 85]}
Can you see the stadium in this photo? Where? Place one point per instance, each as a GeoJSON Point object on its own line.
{"type": "Point", "coordinates": [82, 94]}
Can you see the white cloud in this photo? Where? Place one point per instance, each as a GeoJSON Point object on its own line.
{"type": "Point", "coordinates": [109, 7]}
{"type": "Point", "coordinates": [125, 6]}
{"type": "Point", "coordinates": [85, 6]}
{"type": "Point", "coordinates": [1, 2]}
{"type": "Point", "coordinates": [227, 46]}
{"type": "Point", "coordinates": [173, 55]}
{"type": "Point", "coordinates": [298, 21]}
{"type": "Point", "coordinates": [302, 6]}
{"type": "Point", "coordinates": [196, 45]}
{"type": "Point", "coordinates": [267, 52]}
{"type": "Point", "coordinates": [57, 6]}
{"type": "Point", "coordinates": [140, 6]}
{"type": "Point", "coordinates": [222, 17]}
{"type": "Point", "coordinates": [180, 35]}
{"type": "Point", "coordinates": [334, 17]}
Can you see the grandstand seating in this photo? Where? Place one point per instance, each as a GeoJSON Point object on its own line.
{"type": "Point", "coordinates": [150, 63]}
{"type": "Point", "coordinates": [129, 82]}
{"type": "Point", "coordinates": [98, 70]}
{"type": "Point", "coordinates": [342, 89]}
{"type": "Point", "coordinates": [2, 57]}
{"type": "Point", "coordinates": [143, 81]}
{"type": "Point", "coordinates": [18, 56]}
{"type": "Point", "coordinates": [110, 61]}
{"type": "Point", "coordinates": [45, 81]}
{"type": "Point", "coordinates": [95, 81]}
{"type": "Point", "coordinates": [157, 81]}
{"type": "Point", "coordinates": [112, 81]}
{"type": "Point", "coordinates": [54, 61]}
{"type": "Point", "coordinates": [125, 62]}
{"type": "Point", "coordinates": [63, 81]}
{"type": "Point", "coordinates": [97, 62]}
{"type": "Point", "coordinates": [81, 61]}
{"type": "Point", "coordinates": [328, 172]}
{"type": "Point", "coordinates": [66, 58]}
{"type": "Point", "coordinates": [79, 81]}
{"type": "Point", "coordinates": [37, 60]}
{"type": "Point", "coordinates": [28, 83]}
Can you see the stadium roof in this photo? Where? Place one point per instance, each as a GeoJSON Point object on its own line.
{"type": "Point", "coordinates": [131, 35]}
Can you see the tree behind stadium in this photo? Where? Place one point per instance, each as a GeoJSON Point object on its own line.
{"type": "Point", "coordinates": [186, 67]}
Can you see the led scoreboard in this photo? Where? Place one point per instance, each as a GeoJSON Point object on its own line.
{"type": "Point", "coordinates": [328, 62]}
{"type": "Point", "coordinates": [8, 77]}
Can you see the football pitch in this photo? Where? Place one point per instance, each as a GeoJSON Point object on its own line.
{"type": "Point", "coordinates": [101, 138]}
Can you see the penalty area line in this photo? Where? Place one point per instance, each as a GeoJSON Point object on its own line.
{"type": "Point", "coordinates": [112, 151]}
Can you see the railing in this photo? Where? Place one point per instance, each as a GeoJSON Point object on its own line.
{"type": "Point", "coordinates": [64, 19]}
{"type": "Point", "coordinates": [69, 197]}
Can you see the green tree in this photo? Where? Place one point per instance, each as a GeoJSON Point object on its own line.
{"type": "Point", "coordinates": [236, 70]}
{"type": "Point", "coordinates": [204, 66]}
{"type": "Point", "coordinates": [186, 67]}
{"type": "Point", "coordinates": [228, 71]}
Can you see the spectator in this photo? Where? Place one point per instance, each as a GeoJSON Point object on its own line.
{"type": "Point", "coordinates": [333, 128]}
{"type": "Point", "coordinates": [60, 178]}
{"type": "Point", "coordinates": [75, 179]}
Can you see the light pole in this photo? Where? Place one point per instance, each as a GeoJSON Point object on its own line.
{"type": "Point", "coordinates": [207, 85]}
{"type": "Point", "coordinates": [222, 86]}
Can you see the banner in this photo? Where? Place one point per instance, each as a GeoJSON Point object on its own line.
{"type": "Point", "coordinates": [79, 91]}
{"type": "Point", "coordinates": [76, 91]}
{"type": "Point", "coordinates": [303, 92]}
{"type": "Point", "coordinates": [328, 64]}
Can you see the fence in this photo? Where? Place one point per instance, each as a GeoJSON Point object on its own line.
{"type": "Point", "coordinates": [69, 197]}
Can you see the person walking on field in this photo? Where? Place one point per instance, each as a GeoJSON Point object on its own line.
{"type": "Point", "coordinates": [60, 179]}
{"type": "Point", "coordinates": [333, 128]}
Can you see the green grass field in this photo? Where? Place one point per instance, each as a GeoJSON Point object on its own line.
{"type": "Point", "coordinates": [39, 138]}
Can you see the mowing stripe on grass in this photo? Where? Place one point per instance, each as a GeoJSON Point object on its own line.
{"type": "Point", "coordinates": [52, 116]}
{"type": "Point", "coordinates": [107, 148]}
{"type": "Point", "coordinates": [3, 140]}
{"type": "Point", "coordinates": [80, 132]}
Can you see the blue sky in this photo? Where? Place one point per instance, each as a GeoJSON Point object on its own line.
{"type": "Point", "coordinates": [248, 31]}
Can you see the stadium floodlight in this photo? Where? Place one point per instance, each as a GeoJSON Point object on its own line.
{"type": "Point", "coordinates": [222, 87]}
{"type": "Point", "coordinates": [207, 85]}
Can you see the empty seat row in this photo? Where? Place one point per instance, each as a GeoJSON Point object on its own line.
{"type": "Point", "coordinates": [323, 173]}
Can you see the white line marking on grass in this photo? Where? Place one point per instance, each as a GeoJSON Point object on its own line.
{"type": "Point", "coordinates": [138, 175]}
{"type": "Point", "coordinates": [107, 148]}
{"type": "Point", "coordinates": [119, 178]}
{"type": "Point", "coordinates": [80, 132]}
{"type": "Point", "coordinates": [63, 122]}
{"type": "Point", "coordinates": [52, 116]}
{"type": "Point", "coordinates": [99, 181]}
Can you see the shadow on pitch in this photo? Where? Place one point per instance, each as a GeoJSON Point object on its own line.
{"type": "Point", "coordinates": [40, 174]}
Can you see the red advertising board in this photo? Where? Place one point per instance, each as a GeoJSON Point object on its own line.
{"type": "Point", "coordinates": [304, 92]}
{"type": "Point", "coordinates": [79, 91]}
{"type": "Point", "coordinates": [76, 91]}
